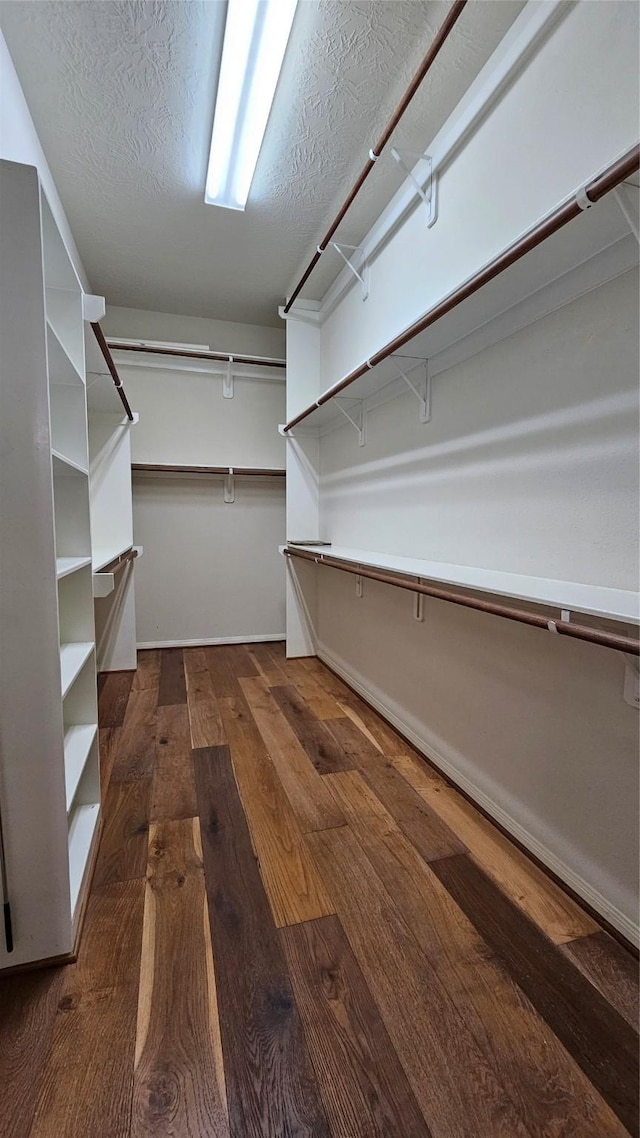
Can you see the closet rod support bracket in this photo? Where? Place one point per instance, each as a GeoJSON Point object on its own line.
{"type": "Point", "coordinates": [229, 491]}
{"type": "Point", "coordinates": [631, 690]}
{"type": "Point", "coordinates": [629, 212]}
{"type": "Point", "coordinates": [359, 422]}
{"type": "Point", "coordinates": [227, 380]}
{"type": "Point", "coordinates": [428, 192]}
{"type": "Point", "coordinates": [421, 390]}
{"type": "Point", "coordinates": [361, 274]}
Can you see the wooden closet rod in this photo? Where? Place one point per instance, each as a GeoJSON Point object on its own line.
{"type": "Point", "coordinates": [241, 471]}
{"type": "Point", "coordinates": [443, 32]}
{"type": "Point", "coordinates": [108, 358]}
{"type": "Point", "coordinates": [595, 190]}
{"type": "Point", "coordinates": [193, 354]}
{"type": "Point", "coordinates": [564, 628]}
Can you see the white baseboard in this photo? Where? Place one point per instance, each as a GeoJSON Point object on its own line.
{"type": "Point", "coordinates": [423, 743]}
{"type": "Point", "coordinates": [204, 642]}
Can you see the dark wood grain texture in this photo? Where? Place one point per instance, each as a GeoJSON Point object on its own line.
{"type": "Point", "coordinates": [363, 1086]}
{"type": "Point", "coordinates": [123, 846]}
{"type": "Point", "coordinates": [135, 754]}
{"type": "Point", "coordinates": [88, 1081]}
{"type": "Point", "coordinates": [548, 1089]}
{"type": "Point", "coordinates": [179, 1079]}
{"type": "Point", "coordinates": [597, 1037]}
{"type": "Point", "coordinates": [271, 1087]}
{"type": "Point", "coordinates": [28, 1004]}
{"type": "Point", "coordinates": [223, 679]}
{"type": "Point", "coordinates": [311, 801]}
{"type": "Point", "coordinates": [291, 881]}
{"type": "Point", "coordinates": [325, 752]}
{"type": "Point", "coordinates": [456, 1089]}
{"type": "Point", "coordinates": [204, 711]}
{"type": "Point", "coordinates": [429, 834]}
{"type": "Point", "coordinates": [113, 696]}
{"type": "Point", "coordinates": [612, 969]}
{"type": "Point", "coordinates": [147, 675]}
{"type": "Point", "coordinates": [173, 791]}
{"type": "Point", "coordinates": [172, 688]}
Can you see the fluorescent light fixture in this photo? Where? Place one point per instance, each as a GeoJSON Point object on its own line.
{"type": "Point", "coordinates": [255, 38]}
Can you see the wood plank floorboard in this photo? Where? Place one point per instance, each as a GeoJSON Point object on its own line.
{"type": "Point", "coordinates": [123, 845]}
{"type": "Point", "coordinates": [135, 753]}
{"type": "Point", "coordinates": [147, 675]}
{"type": "Point", "coordinates": [271, 1087]}
{"type": "Point", "coordinates": [455, 1087]}
{"type": "Point", "coordinates": [178, 1082]}
{"type": "Point", "coordinates": [301, 929]}
{"type": "Point", "coordinates": [113, 697]}
{"type": "Point", "coordinates": [365, 1091]}
{"type": "Point", "coordinates": [172, 687]}
{"type": "Point", "coordinates": [546, 1086]}
{"type": "Point", "coordinates": [204, 711]}
{"type": "Point", "coordinates": [599, 1039]}
{"type": "Point", "coordinates": [28, 1005]}
{"type": "Point", "coordinates": [311, 801]}
{"type": "Point", "coordinates": [292, 883]}
{"type": "Point", "coordinates": [173, 791]}
{"type": "Point", "coordinates": [612, 969]}
{"type": "Point", "coordinates": [325, 752]}
{"type": "Point", "coordinates": [87, 1086]}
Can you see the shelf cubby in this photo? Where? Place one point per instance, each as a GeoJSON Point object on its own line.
{"type": "Point", "coordinates": [69, 425]}
{"type": "Point", "coordinates": [71, 510]}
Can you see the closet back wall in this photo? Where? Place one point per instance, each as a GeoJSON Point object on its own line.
{"type": "Point", "coordinates": [211, 571]}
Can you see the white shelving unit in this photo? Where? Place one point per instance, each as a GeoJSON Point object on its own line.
{"type": "Point", "coordinates": [49, 762]}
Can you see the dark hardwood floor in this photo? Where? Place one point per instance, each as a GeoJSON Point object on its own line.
{"type": "Point", "coordinates": [297, 928]}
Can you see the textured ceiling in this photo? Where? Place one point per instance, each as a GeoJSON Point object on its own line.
{"type": "Point", "coordinates": [121, 92]}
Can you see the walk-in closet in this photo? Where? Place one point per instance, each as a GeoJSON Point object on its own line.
{"type": "Point", "coordinates": [319, 568]}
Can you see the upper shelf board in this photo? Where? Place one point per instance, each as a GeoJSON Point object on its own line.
{"type": "Point", "coordinates": [594, 248]}
{"type": "Point", "coordinates": [595, 600]}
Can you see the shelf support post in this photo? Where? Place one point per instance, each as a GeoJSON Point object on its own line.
{"type": "Point", "coordinates": [360, 423]}
{"type": "Point", "coordinates": [229, 493]}
{"type": "Point", "coordinates": [427, 192]}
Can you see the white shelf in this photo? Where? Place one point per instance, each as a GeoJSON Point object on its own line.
{"type": "Point", "coordinates": [591, 250]}
{"type": "Point", "coordinates": [77, 745]}
{"type": "Point", "coordinates": [67, 565]}
{"type": "Point", "coordinates": [66, 466]}
{"type": "Point", "coordinates": [82, 825]}
{"type": "Point", "coordinates": [594, 600]}
{"type": "Point", "coordinates": [103, 556]}
{"type": "Point", "coordinates": [72, 658]}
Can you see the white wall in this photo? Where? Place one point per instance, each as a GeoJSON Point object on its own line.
{"type": "Point", "coordinates": [211, 571]}
{"type": "Point", "coordinates": [19, 142]}
{"type": "Point", "coordinates": [530, 464]}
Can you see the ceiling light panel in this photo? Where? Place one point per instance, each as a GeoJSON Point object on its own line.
{"type": "Point", "coordinates": [255, 39]}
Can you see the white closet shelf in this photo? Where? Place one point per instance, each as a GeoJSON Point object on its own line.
{"type": "Point", "coordinates": [72, 658]}
{"type": "Point", "coordinates": [77, 745]}
{"type": "Point", "coordinates": [61, 368]}
{"type": "Point", "coordinates": [66, 466]}
{"type": "Point", "coordinates": [104, 556]}
{"type": "Point", "coordinates": [82, 825]}
{"type": "Point", "coordinates": [595, 600]}
{"type": "Point", "coordinates": [67, 565]}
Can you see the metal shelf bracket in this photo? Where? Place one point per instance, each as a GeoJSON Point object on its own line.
{"type": "Point", "coordinates": [229, 493]}
{"type": "Point", "coordinates": [428, 192]}
{"type": "Point", "coordinates": [360, 421]}
{"type": "Point", "coordinates": [361, 274]}
{"type": "Point", "coordinates": [227, 382]}
{"type": "Point", "coordinates": [421, 390]}
{"type": "Point", "coordinates": [418, 604]}
{"type": "Point", "coordinates": [359, 586]}
{"type": "Point", "coordinates": [629, 212]}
